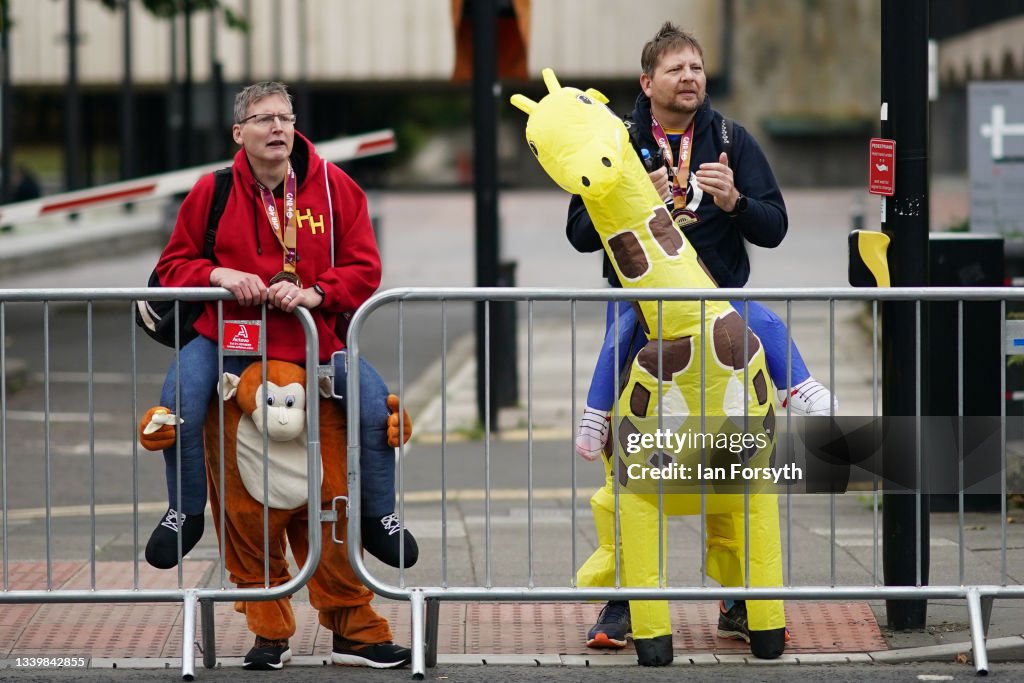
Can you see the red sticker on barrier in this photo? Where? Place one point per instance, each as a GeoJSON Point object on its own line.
{"type": "Point", "coordinates": [242, 337]}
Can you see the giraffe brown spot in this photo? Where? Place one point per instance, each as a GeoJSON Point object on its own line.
{"type": "Point", "coordinates": [626, 429]}
{"type": "Point", "coordinates": [727, 339]}
{"type": "Point", "coordinates": [665, 232]}
{"type": "Point", "coordinates": [675, 357]}
{"type": "Point", "coordinates": [622, 472]}
{"type": "Point", "coordinates": [660, 459]}
{"type": "Point", "coordinates": [760, 388]}
{"type": "Point", "coordinates": [629, 256]}
{"type": "Point", "coordinates": [769, 422]}
{"type": "Point", "coordinates": [639, 400]}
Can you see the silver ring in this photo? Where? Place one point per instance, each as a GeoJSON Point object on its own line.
{"type": "Point", "coordinates": [288, 298]}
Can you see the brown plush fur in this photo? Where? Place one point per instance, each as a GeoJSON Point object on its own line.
{"type": "Point", "coordinates": [334, 590]}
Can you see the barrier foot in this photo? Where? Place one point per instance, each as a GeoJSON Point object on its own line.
{"type": "Point", "coordinates": [188, 637]}
{"type": "Point", "coordinates": [986, 611]}
{"type": "Point", "coordinates": [416, 604]}
{"type": "Point", "coordinates": [974, 610]}
{"type": "Point", "coordinates": [208, 634]}
{"type": "Point", "coordinates": [433, 615]}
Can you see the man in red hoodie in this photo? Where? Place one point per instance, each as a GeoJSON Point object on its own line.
{"type": "Point", "coordinates": [295, 232]}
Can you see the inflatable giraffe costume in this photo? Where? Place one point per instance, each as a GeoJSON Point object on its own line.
{"type": "Point", "coordinates": [693, 366]}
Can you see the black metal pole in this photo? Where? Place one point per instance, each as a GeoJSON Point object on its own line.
{"type": "Point", "coordinates": [173, 101]}
{"type": "Point", "coordinates": [485, 186]}
{"type": "Point", "coordinates": [217, 149]}
{"type": "Point", "coordinates": [187, 135]}
{"type": "Point", "coordinates": [72, 115]}
{"type": "Point", "coordinates": [905, 527]}
{"type": "Point", "coordinates": [5, 105]}
{"type": "Point", "coordinates": [127, 111]}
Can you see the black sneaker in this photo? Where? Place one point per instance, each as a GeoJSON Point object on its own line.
{"type": "Point", "coordinates": [381, 539]}
{"type": "Point", "coordinates": [732, 624]}
{"type": "Point", "coordinates": [612, 628]}
{"type": "Point", "coordinates": [378, 655]}
{"type": "Point", "coordinates": [162, 548]}
{"type": "Point", "coordinates": [267, 655]}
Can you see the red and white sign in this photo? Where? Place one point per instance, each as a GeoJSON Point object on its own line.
{"type": "Point", "coordinates": [242, 337]}
{"type": "Point", "coordinates": [882, 171]}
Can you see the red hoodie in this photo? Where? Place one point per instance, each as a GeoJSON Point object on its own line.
{"type": "Point", "coordinates": [246, 242]}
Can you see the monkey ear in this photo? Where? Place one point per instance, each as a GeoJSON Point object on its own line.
{"type": "Point", "coordinates": [327, 387]}
{"type": "Point", "coordinates": [229, 386]}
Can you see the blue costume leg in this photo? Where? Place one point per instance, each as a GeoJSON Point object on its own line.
{"type": "Point", "coordinates": [772, 332]}
{"type": "Point", "coordinates": [194, 375]}
{"type": "Point", "coordinates": [602, 386]}
{"type": "Point", "coordinates": [381, 528]}
{"type": "Point", "coordinates": [198, 370]}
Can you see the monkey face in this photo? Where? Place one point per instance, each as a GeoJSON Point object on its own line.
{"type": "Point", "coordinates": [285, 411]}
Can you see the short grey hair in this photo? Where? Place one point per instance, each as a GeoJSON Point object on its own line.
{"type": "Point", "coordinates": [256, 92]}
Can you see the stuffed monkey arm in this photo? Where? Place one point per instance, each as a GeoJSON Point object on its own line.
{"type": "Point", "coordinates": [157, 429]}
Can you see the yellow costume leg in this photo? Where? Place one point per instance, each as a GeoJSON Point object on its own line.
{"type": "Point", "coordinates": [725, 563]}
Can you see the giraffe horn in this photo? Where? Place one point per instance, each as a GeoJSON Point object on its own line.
{"type": "Point", "coordinates": [523, 102]}
{"type": "Point", "coordinates": [550, 80]}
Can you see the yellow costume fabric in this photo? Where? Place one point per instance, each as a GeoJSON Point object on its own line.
{"type": "Point", "coordinates": [699, 361]}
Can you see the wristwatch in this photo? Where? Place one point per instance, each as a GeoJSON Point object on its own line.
{"type": "Point", "coordinates": [320, 290]}
{"type": "Point", "coordinates": [741, 206]}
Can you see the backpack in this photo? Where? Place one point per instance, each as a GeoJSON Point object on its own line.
{"type": "Point", "coordinates": [157, 318]}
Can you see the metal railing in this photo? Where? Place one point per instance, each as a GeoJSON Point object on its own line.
{"type": "Point", "coordinates": [487, 451]}
{"type": "Point", "coordinates": [122, 362]}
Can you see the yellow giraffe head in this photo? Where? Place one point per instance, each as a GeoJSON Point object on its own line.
{"type": "Point", "coordinates": [578, 140]}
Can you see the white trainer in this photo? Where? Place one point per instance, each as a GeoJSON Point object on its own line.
{"type": "Point", "coordinates": [810, 397]}
{"type": "Point", "coordinates": [592, 433]}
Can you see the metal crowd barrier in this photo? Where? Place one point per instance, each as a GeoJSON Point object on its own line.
{"type": "Point", "coordinates": [454, 454]}
{"type": "Point", "coordinates": [58, 304]}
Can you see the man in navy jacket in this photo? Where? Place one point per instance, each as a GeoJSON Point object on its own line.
{"type": "Point", "coordinates": [721, 192]}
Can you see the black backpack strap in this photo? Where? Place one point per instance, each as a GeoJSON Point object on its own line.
{"type": "Point", "coordinates": [222, 181]}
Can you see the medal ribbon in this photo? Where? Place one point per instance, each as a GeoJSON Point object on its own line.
{"type": "Point", "coordinates": [681, 177]}
{"type": "Point", "coordinates": [286, 235]}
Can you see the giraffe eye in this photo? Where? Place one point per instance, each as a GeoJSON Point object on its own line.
{"type": "Point", "coordinates": [584, 99]}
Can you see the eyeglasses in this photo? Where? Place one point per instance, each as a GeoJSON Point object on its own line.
{"type": "Point", "coordinates": [264, 120]}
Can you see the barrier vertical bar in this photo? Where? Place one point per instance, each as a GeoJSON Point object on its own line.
{"type": "Point", "coordinates": [400, 474]}
{"type": "Point", "coordinates": [487, 443]}
{"type": "Point", "coordinates": [831, 412]}
{"type": "Point", "coordinates": [444, 442]}
{"type": "Point", "coordinates": [960, 436]}
{"type": "Point", "coordinates": [90, 401]}
{"type": "Point", "coordinates": [529, 442]}
{"type": "Point", "coordinates": [3, 434]}
{"type": "Point", "coordinates": [573, 412]}
{"type": "Point", "coordinates": [1002, 444]}
{"type": "Point", "coordinates": [46, 444]}
{"type": "Point", "coordinates": [134, 440]}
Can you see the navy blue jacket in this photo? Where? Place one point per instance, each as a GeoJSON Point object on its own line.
{"type": "Point", "coordinates": [718, 238]}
